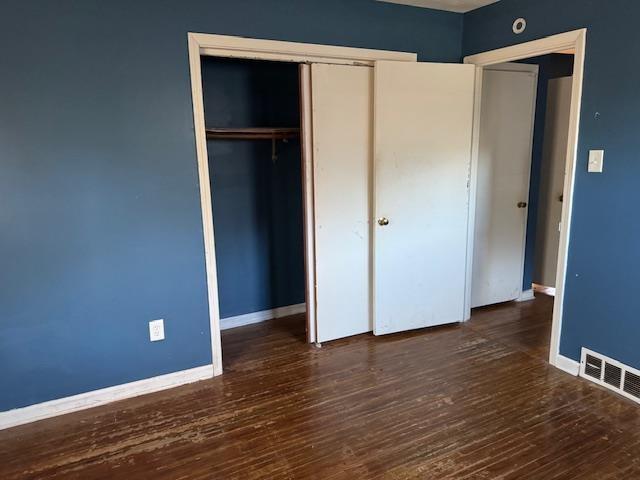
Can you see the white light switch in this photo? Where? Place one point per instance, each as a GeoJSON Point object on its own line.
{"type": "Point", "coordinates": [596, 160]}
{"type": "Point", "coordinates": [156, 330]}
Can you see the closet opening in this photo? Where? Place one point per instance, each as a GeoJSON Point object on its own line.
{"type": "Point", "coordinates": [252, 121]}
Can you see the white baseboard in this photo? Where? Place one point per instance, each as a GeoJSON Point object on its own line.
{"type": "Point", "coordinates": [568, 365]}
{"type": "Point", "coordinates": [60, 406]}
{"type": "Point", "coordinates": [257, 317]}
{"type": "Point", "coordinates": [52, 408]}
{"type": "Point", "coordinates": [526, 296]}
{"type": "Point", "coordinates": [551, 291]}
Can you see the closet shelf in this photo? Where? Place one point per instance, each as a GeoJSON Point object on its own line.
{"type": "Point", "coordinates": [253, 133]}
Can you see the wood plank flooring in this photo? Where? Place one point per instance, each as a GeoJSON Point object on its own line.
{"type": "Point", "coordinates": [461, 402]}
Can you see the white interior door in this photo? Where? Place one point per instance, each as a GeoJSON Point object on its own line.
{"type": "Point", "coordinates": [504, 164]}
{"type": "Point", "coordinates": [342, 152]}
{"type": "Point", "coordinates": [554, 159]}
{"type": "Point", "coordinates": [423, 123]}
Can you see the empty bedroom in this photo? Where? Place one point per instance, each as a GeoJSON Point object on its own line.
{"type": "Point", "coordinates": [303, 239]}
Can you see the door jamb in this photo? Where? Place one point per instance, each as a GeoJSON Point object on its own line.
{"type": "Point", "coordinates": [308, 184]}
{"type": "Point", "coordinates": [201, 44]}
{"type": "Point", "coordinates": [575, 40]}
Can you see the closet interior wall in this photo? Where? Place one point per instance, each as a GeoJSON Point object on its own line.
{"type": "Point", "coordinates": [256, 198]}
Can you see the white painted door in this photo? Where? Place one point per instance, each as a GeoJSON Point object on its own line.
{"type": "Point", "coordinates": [504, 164]}
{"type": "Point", "coordinates": [423, 134]}
{"type": "Point", "coordinates": [342, 152]}
{"type": "Point", "coordinates": [554, 159]}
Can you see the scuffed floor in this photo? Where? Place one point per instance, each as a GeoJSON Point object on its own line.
{"type": "Point", "coordinates": [461, 402]}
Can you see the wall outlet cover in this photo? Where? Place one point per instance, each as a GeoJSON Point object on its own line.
{"type": "Point", "coordinates": [156, 330]}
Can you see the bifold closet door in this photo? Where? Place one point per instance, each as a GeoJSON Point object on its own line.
{"type": "Point", "coordinates": [423, 139]}
{"type": "Point", "coordinates": [342, 152]}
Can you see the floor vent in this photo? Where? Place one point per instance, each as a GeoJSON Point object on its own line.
{"type": "Point", "coordinates": [593, 366]}
{"type": "Point", "coordinates": [610, 374]}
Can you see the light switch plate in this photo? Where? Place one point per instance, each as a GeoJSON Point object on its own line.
{"type": "Point", "coordinates": [156, 330]}
{"type": "Point", "coordinates": [596, 161]}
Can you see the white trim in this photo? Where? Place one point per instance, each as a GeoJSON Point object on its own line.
{"type": "Point", "coordinates": [567, 365]}
{"type": "Point", "coordinates": [61, 406]}
{"type": "Point", "coordinates": [526, 296]}
{"type": "Point", "coordinates": [555, 43]}
{"type": "Point", "coordinates": [306, 147]}
{"type": "Point", "coordinates": [253, 48]}
{"type": "Point", "coordinates": [239, 47]}
{"type": "Point", "coordinates": [551, 291]}
{"type": "Point", "coordinates": [205, 202]}
{"type": "Point", "coordinates": [534, 48]}
{"type": "Point", "coordinates": [261, 316]}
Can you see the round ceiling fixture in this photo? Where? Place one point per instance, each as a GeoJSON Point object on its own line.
{"type": "Point", "coordinates": [519, 25]}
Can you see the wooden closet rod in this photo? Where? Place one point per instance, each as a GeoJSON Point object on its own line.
{"type": "Point", "coordinates": [253, 133]}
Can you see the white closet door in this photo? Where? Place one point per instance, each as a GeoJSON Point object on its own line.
{"type": "Point", "coordinates": [504, 164]}
{"type": "Point", "coordinates": [423, 136]}
{"type": "Point", "coordinates": [342, 143]}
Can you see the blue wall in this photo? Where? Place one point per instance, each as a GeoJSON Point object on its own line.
{"type": "Point", "coordinates": [100, 226]}
{"type": "Point", "coordinates": [550, 67]}
{"type": "Point", "coordinates": [601, 303]}
{"type": "Point", "coordinates": [257, 203]}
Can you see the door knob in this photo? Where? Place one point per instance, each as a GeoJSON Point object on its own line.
{"type": "Point", "coordinates": [522, 204]}
{"type": "Point", "coordinates": [383, 221]}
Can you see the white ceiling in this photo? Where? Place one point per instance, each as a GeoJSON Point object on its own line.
{"type": "Point", "coordinates": [450, 5]}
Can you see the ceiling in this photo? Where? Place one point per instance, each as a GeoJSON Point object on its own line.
{"type": "Point", "coordinates": [450, 5]}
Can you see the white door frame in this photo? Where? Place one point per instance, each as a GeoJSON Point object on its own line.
{"type": "Point", "coordinates": [576, 41]}
{"type": "Point", "coordinates": [201, 44]}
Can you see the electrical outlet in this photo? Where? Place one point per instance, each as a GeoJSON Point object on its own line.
{"type": "Point", "coordinates": [156, 330]}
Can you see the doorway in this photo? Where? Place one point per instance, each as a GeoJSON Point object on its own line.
{"type": "Point", "coordinates": [571, 47]}
{"type": "Point", "coordinates": [550, 182]}
{"type": "Point", "coordinates": [524, 128]}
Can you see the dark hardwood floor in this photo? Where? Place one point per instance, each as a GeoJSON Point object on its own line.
{"type": "Point", "coordinates": [461, 402]}
{"type": "Point", "coordinates": [523, 326]}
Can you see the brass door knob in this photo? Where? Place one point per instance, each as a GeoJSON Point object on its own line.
{"type": "Point", "coordinates": [522, 204]}
{"type": "Point", "coordinates": [383, 221]}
